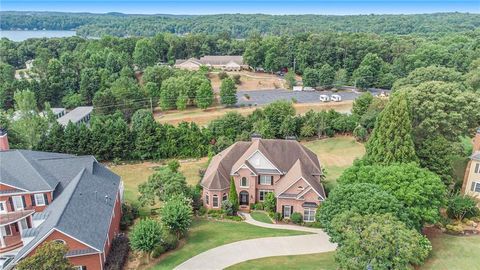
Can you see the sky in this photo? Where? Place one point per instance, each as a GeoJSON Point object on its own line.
{"type": "Point", "coordinates": [338, 7]}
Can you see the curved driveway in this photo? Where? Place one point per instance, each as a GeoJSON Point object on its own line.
{"type": "Point", "coordinates": [237, 252]}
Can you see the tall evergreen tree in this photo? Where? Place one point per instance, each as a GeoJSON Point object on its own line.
{"type": "Point", "coordinates": [228, 92]}
{"type": "Point", "coordinates": [233, 196]}
{"type": "Point", "coordinates": [391, 139]}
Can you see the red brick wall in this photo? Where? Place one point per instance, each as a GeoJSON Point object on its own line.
{"type": "Point", "coordinates": [90, 261]}
{"type": "Point", "coordinates": [114, 225]}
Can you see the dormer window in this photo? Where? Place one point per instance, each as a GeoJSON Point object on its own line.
{"type": "Point", "coordinates": [39, 200]}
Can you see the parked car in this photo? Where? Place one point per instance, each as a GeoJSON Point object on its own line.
{"type": "Point", "coordinates": [324, 98]}
{"type": "Point", "coordinates": [336, 98]}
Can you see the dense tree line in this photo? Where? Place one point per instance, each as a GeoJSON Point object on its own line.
{"type": "Point", "coordinates": [237, 25]}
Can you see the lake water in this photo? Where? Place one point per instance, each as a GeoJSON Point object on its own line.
{"type": "Point", "coordinates": [23, 35]}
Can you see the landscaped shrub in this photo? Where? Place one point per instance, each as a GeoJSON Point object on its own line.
{"type": "Point", "coordinates": [234, 218]}
{"type": "Point", "coordinates": [227, 208]}
{"type": "Point", "coordinates": [157, 251]}
{"type": "Point", "coordinates": [215, 213]}
{"type": "Point", "coordinates": [296, 218]}
{"type": "Point", "coordinates": [455, 228]}
{"type": "Point", "coordinates": [257, 206]}
{"type": "Point", "coordinates": [118, 253]}
{"type": "Point", "coordinates": [277, 216]}
{"type": "Point", "coordinates": [270, 201]}
{"type": "Point", "coordinates": [202, 211]}
{"type": "Point", "coordinates": [460, 207]}
{"type": "Point", "coordinates": [222, 75]}
{"type": "Point", "coordinates": [236, 79]}
{"type": "Point", "coordinates": [169, 241]}
{"type": "Point", "coordinates": [129, 214]}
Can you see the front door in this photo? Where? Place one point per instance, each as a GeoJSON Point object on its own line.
{"type": "Point", "coordinates": [243, 198]}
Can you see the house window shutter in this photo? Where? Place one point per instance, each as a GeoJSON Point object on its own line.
{"type": "Point", "coordinates": [11, 204]}
{"type": "Point", "coordinates": [271, 180]}
{"type": "Point", "coordinates": [259, 179]}
{"type": "Point", "coordinates": [32, 197]}
{"type": "Point", "coordinates": [46, 198]}
{"type": "Point", "coordinates": [283, 211]}
{"type": "Point", "coordinates": [24, 203]}
{"type": "Point", "coordinates": [291, 210]}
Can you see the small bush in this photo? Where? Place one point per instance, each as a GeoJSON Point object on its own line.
{"type": "Point", "coordinates": [277, 216]}
{"type": "Point", "coordinates": [227, 208]}
{"type": "Point", "coordinates": [222, 75]}
{"type": "Point", "coordinates": [118, 253]}
{"type": "Point", "coordinates": [157, 251]}
{"type": "Point", "coordinates": [236, 79]}
{"type": "Point", "coordinates": [270, 201]}
{"type": "Point", "coordinates": [170, 241]}
{"type": "Point", "coordinates": [202, 211]}
{"type": "Point", "coordinates": [215, 213]}
{"type": "Point", "coordinates": [460, 207]}
{"type": "Point", "coordinates": [257, 206]}
{"type": "Point", "coordinates": [296, 218]}
{"type": "Point", "coordinates": [313, 224]}
{"type": "Point", "coordinates": [129, 214]}
{"type": "Point", "coordinates": [455, 228]}
{"type": "Point", "coordinates": [234, 218]}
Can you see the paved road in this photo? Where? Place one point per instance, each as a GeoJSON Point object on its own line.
{"type": "Point", "coordinates": [262, 97]}
{"type": "Point", "coordinates": [237, 252]}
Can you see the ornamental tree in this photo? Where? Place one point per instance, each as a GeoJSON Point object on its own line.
{"type": "Point", "coordinates": [421, 192]}
{"type": "Point", "coordinates": [162, 185]}
{"type": "Point", "coordinates": [50, 255]}
{"type": "Point", "coordinates": [391, 140]}
{"type": "Point", "coordinates": [145, 235]}
{"type": "Point", "coordinates": [177, 215]}
{"type": "Point", "coordinates": [359, 198]}
{"type": "Point", "coordinates": [205, 95]}
{"type": "Point", "coordinates": [228, 92]}
{"type": "Point", "coordinates": [377, 241]}
{"type": "Point", "coordinates": [233, 196]}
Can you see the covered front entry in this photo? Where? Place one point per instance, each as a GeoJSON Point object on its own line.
{"type": "Point", "coordinates": [243, 198]}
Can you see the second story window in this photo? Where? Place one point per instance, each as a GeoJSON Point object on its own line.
{"type": "Point", "coordinates": [39, 200]}
{"type": "Point", "coordinates": [18, 203]}
{"type": "Point", "coordinates": [265, 180]}
{"type": "Point", "coordinates": [477, 168]}
{"type": "Point", "coordinates": [3, 207]}
{"type": "Point", "coordinates": [244, 182]}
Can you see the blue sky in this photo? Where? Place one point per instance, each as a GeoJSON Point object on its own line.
{"type": "Point", "coordinates": [338, 7]}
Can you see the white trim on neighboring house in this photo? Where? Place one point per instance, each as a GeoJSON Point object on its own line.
{"type": "Point", "coordinates": [271, 163]}
{"type": "Point", "coordinates": [4, 206]}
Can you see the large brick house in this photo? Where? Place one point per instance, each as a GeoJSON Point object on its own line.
{"type": "Point", "coordinates": [471, 182]}
{"type": "Point", "coordinates": [56, 197]}
{"type": "Point", "coordinates": [285, 167]}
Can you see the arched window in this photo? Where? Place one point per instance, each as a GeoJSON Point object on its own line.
{"type": "Point", "coordinates": [244, 182]}
{"type": "Point", "coordinates": [224, 197]}
{"type": "Point", "coordinates": [215, 200]}
{"type": "Point", "coordinates": [59, 241]}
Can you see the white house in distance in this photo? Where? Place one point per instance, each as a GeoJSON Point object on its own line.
{"type": "Point", "coordinates": [77, 116]}
{"type": "Point", "coordinates": [223, 62]}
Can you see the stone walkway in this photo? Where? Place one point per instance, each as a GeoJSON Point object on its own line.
{"type": "Point", "coordinates": [237, 252]}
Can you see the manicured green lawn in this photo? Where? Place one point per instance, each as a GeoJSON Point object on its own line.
{"type": "Point", "coordinates": [335, 155]}
{"type": "Point", "coordinates": [454, 252]}
{"type": "Point", "coordinates": [261, 216]}
{"type": "Point", "coordinates": [322, 261]}
{"type": "Point", "coordinates": [205, 235]}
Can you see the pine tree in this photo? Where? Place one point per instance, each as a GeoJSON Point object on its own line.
{"type": "Point", "coordinates": [391, 139]}
{"type": "Point", "coordinates": [233, 196]}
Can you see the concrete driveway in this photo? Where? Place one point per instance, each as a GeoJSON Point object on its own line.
{"type": "Point", "coordinates": [237, 252]}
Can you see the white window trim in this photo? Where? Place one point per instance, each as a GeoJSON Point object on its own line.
{"type": "Point", "coordinates": [4, 205]}
{"type": "Point", "coordinates": [474, 186]}
{"type": "Point", "coordinates": [213, 201]}
{"type": "Point", "coordinates": [225, 195]}
{"type": "Point", "coordinates": [477, 168]}
{"type": "Point", "coordinates": [15, 205]}
{"type": "Point", "coordinates": [60, 241]}
{"type": "Point", "coordinates": [42, 198]}
{"type": "Point", "coordinates": [248, 182]}
{"type": "Point", "coordinates": [309, 209]}
{"type": "Point", "coordinates": [289, 211]}
{"type": "Point", "coordinates": [4, 230]}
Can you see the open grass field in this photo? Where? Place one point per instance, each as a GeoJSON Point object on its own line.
{"type": "Point", "coordinates": [336, 154]}
{"type": "Point", "coordinates": [261, 216]}
{"type": "Point", "coordinates": [205, 235]}
{"type": "Point", "coordinates": [250, 81]}
{"type": "Point", "coordinates": [203, 117]}
{"type": "Point", "coordinates": [322, 261]}
{"type": "Point", "coordinates": [454, 252]}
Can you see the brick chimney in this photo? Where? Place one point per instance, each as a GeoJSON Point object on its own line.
{"type": "Point", "coordinates": [4, 140]}
{"type": "Point", "coordinates": [476, 141]}
{"type": "Point", "coordinates": [255, 137]}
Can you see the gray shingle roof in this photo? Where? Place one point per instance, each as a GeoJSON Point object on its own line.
{"type": "Point", "coordinates": [75, 115]}
{"type": "Point", "coordinates": [476, 156]}
{"type": "Point", "coordinates": [83, 201]}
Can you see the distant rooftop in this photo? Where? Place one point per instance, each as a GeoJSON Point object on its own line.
{"type": "Point", "coordinates": [76, 115]}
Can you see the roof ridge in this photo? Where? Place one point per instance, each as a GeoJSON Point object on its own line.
{"type": "Point", "coordinates": [35, 170]}
{"type": "Point", "coordinates": [304, 149]}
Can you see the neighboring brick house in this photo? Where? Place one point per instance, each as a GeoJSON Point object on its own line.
{"type": "Point", "coordinates": [471, 182]}
{"type": "Point", "coordinates": [284, 167]}
{"type": "Point", "coordinates": [57, 197]}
